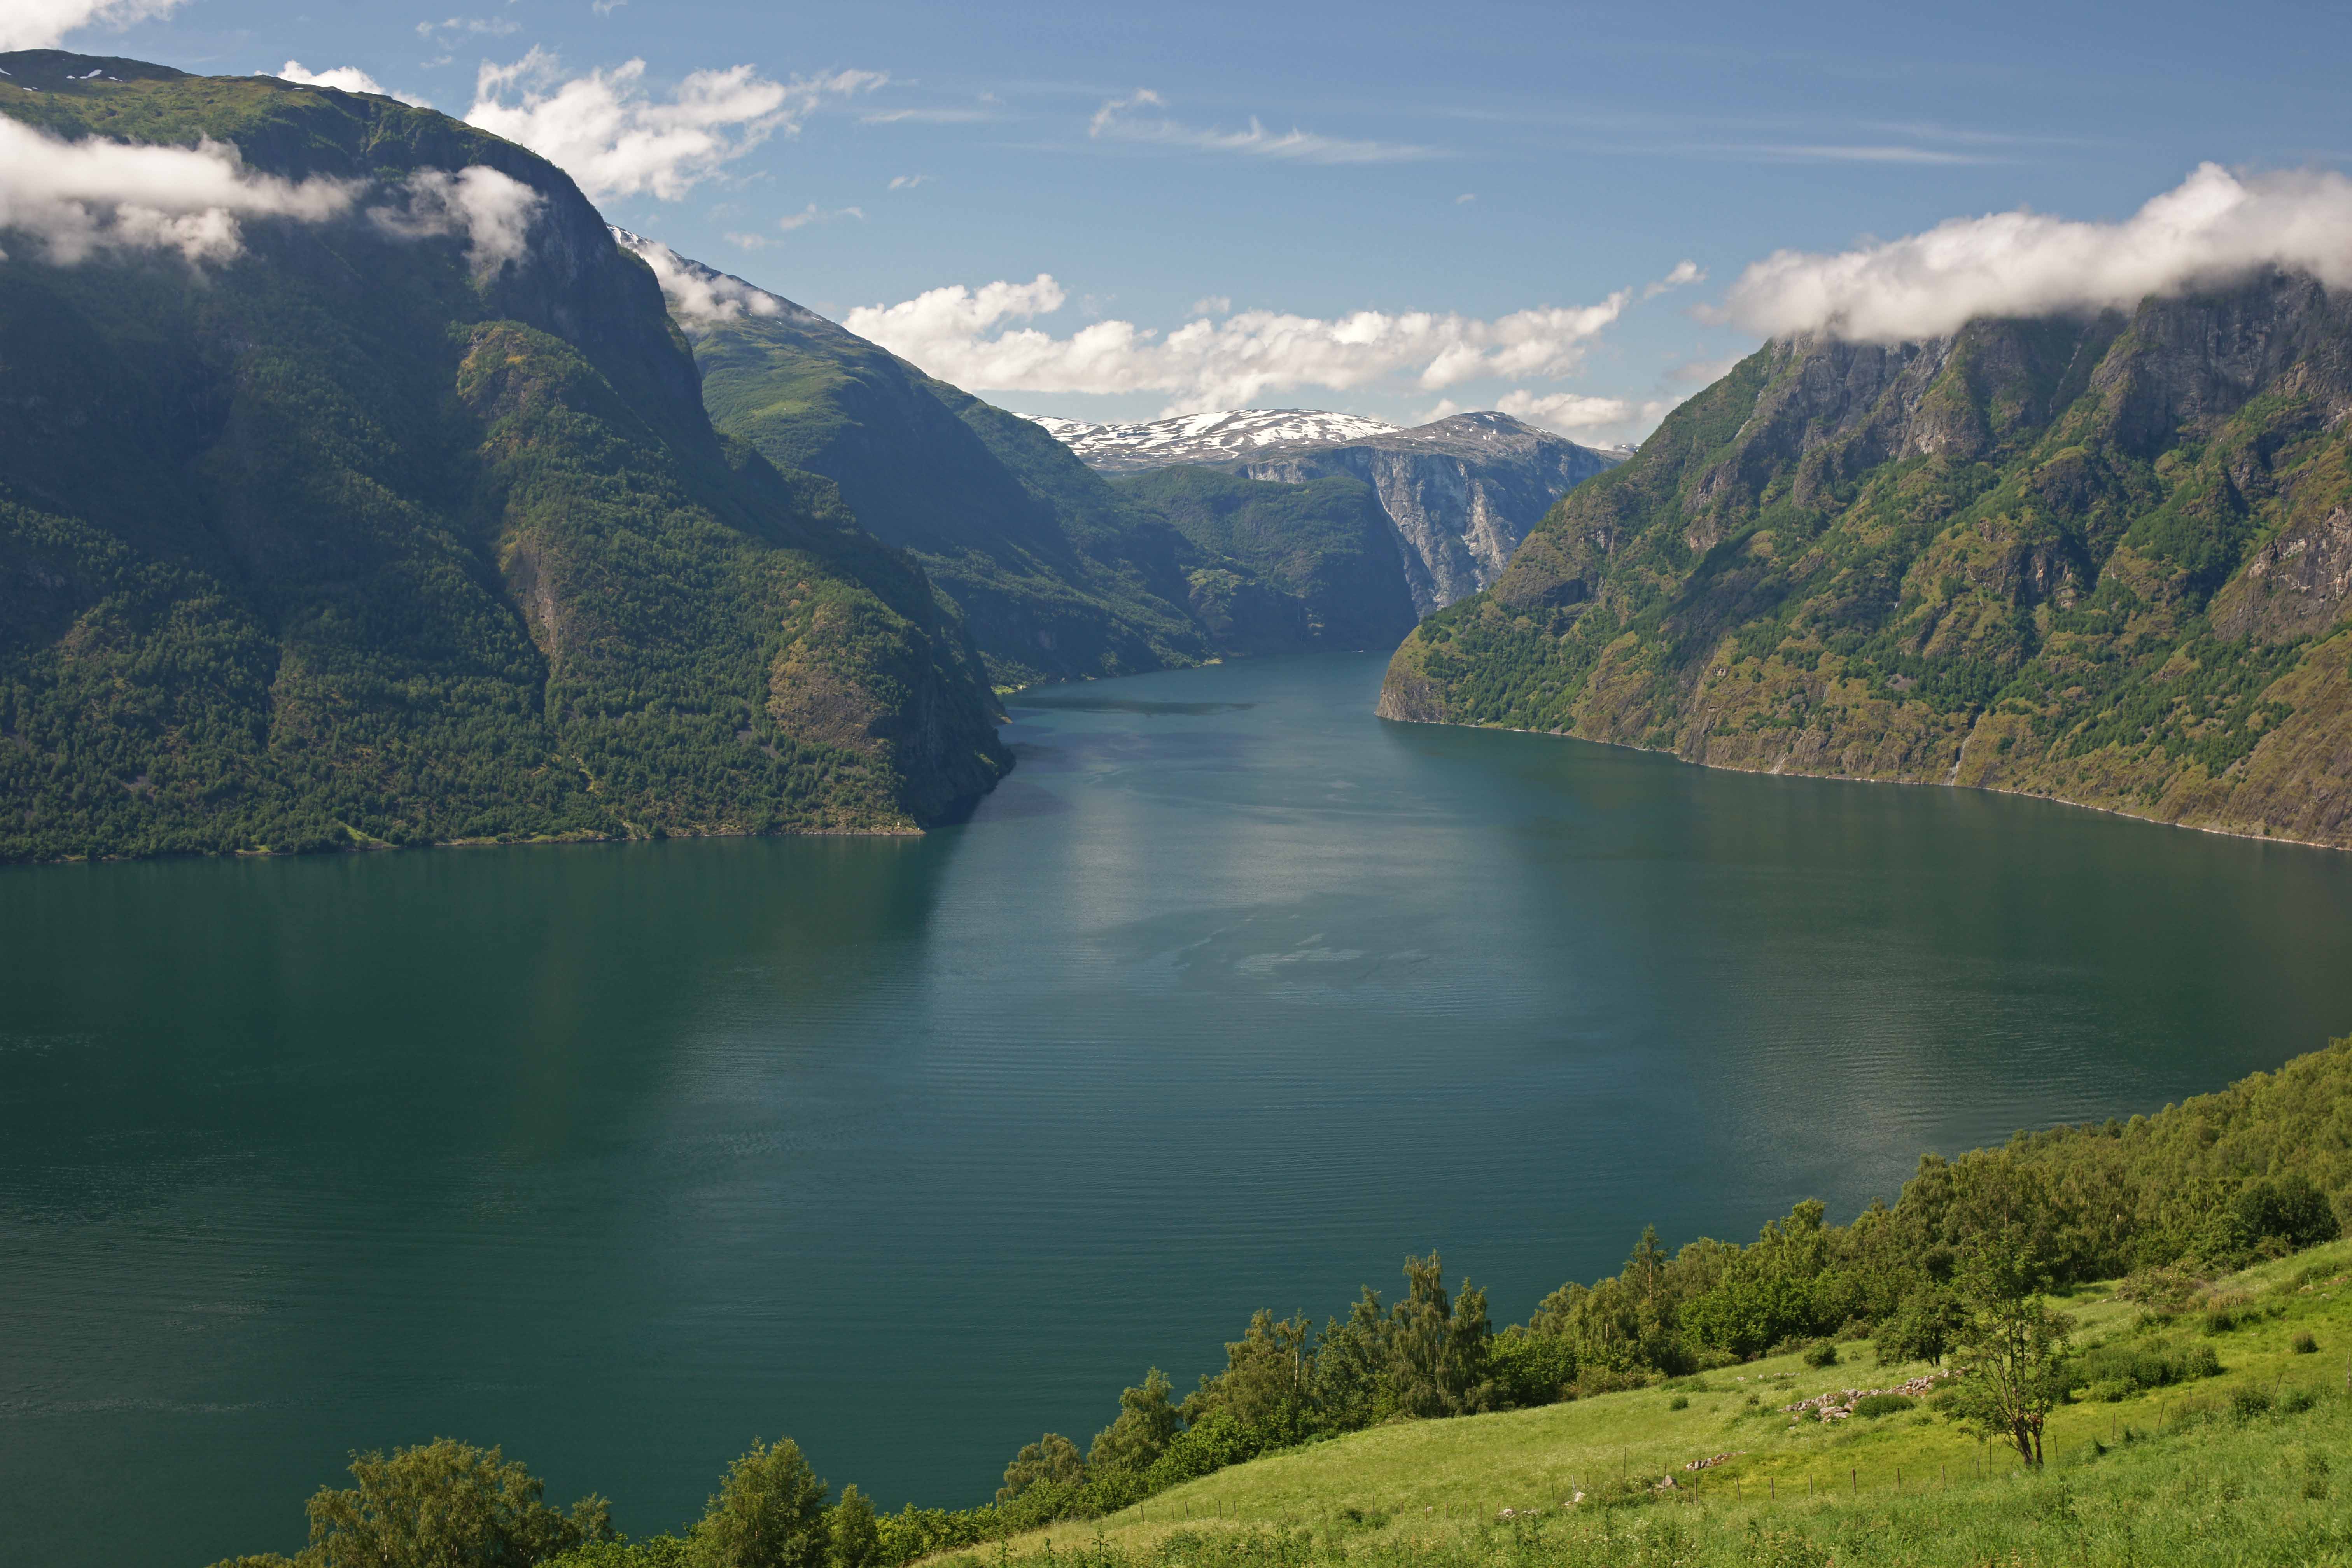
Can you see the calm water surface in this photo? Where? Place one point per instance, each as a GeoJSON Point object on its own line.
{"type": "Point", "coordinates": [1233, 994]}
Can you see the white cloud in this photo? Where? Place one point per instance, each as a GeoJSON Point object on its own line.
{"type": "Point", "coordinates": [608, 133]}
{"type": "Point", "coordinates": [606, 8]}
{"type": "Point", "coordinates": [929, 117]}
{"type": "Point", "coordinates": [343, 79]}
{"type": "Point", "coordinates": [697, 295]}
{"type": "Point", "coordinates": [1116, 120]}
{"type": "Point", "coordinates": [1684, 272]}
{"type": "Point", "coordinates": [908, 182]}
{"type": "Point", "coordinates": [44, 24]}
{"type": "Point", "coordinates": [811, 213]}
{"type": "Point", "coordinates": [473, 26]}
{"type": "Point", "coordinates": [492, 210]}
{"type": "Point", "coordinates": [1825, 154]}
{"type": "Point", "coordinates": [79, 197]}
{"type": "Point", "coordinates": [966, 336]}
{"type": "Point", "coordinates": [2212, 226]}
{"type": "Point", "coordinates": [1213, 305]}
{"type": "Point", "coordinates": [1582, 417]}
{"type": "Point", "coordinates": [1465, 198]}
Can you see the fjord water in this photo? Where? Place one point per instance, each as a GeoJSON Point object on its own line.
{"type": "Point", "coordinates": [622, 1156]}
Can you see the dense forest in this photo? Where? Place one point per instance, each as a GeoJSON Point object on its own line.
{"type": "Point", "coordinates": [1963, 1270]}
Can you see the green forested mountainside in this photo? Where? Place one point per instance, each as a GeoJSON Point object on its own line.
{"type": "Point", "coordinates": [1058, 573]}
{"type": "Point", "coordinates": [346, 540]}
{"type": "Point", "coordinates": [1055, 577]}
{"type": "Point", "coordinates": [1738, 1370]}
{"type": "Point", "coordinates": [2107, 561]}
{"type": "Point", "coordinates": [1326, 543]}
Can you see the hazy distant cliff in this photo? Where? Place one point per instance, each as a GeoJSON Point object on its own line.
{"type": "Point", "coordinates": [1463, 493]}
{"type": "Point", "coordinates": [1460, 493]}
{"type": "Point", "coordinates": [2107, 560]}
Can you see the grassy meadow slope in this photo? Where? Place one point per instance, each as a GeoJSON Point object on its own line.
{"type": "Point", "coordinates": [2252, 1465]}
{"type": "Point", "coordinates": [353, 537]}
{"type": "Point", "coordinates": [2107, 561]}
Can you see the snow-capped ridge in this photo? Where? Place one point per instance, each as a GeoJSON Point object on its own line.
{"type": "Point", "coordinates": [1229, 435]}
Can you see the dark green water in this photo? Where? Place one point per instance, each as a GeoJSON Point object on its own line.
{"type": "Point", "coordinates": [622, 1156]}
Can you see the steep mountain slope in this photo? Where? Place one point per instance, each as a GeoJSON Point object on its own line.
{"type": "Point", "coordinates": [396, 517]}
{"type": "Point", "coordinates": [1325, 544]}
{"type": "Point", "coordinates": [1232, 436]}
{"type": "Point", "coordinates": [2105, 561]}
{"type": "Point", "coordinates": [1460, 493]}
{"type": "Point", "coordinates": [1057, 575]}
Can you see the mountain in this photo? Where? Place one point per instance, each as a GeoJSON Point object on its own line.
{"type": "Point", "coordinates": [1233, 435]}
{"type": "Point", "coordinates": [1460, 493]}
{"type": "Point", "coordinates": [2103, 560]}
{"type": "Point", "coordinates": [1324, 546]}
{"type": "Point", "coordinates": [1059, 572]}
{"type": "Point", "coordinates": [355, 487]}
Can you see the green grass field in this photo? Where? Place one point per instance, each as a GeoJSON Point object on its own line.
{"type": "Point", "coordinates": [2254, 1464]}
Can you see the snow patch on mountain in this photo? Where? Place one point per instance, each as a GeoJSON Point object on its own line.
{"type": "Point", "coordinates": [1231, 436]}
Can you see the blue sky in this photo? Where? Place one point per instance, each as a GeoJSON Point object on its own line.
{"type": "Point", "coordinates": [1472, 163]}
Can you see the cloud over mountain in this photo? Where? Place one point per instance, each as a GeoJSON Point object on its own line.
{"type": "Point", "coordinates": [967, 336]}
{"type": "Point", "coordinates": [2213, 225]}
{"type": "Point", "coordinates": [76, 198]}
{"type": "Point", "coordinates": [612, 136]}
{"type": "Point", "coordinates": [44, 24]}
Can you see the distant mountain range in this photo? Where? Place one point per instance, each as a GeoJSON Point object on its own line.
{"type": "Point", "coordinates": [1460, 492]}
{"type": "Point", "coordinates": [2104, 560]}
{"type": "Point", "coordinates": [1307, 531]}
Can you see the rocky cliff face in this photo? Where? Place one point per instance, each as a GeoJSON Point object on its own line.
{"type": "Point", "coordinates": [1460, 493]}
{"type": "Point", "coordinates": [2106, 561]}
{"type": "Point", "coordinates": [1463, 493]}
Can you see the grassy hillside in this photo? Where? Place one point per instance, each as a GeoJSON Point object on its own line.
{"type": "Point", "coordinates": [2249, 1465]}
{"type": "Point", "coordinates": [351, 539]}
{"type": "Point", "coordinates": [2107, 561]}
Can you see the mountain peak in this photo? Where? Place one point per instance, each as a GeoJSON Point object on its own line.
{"type": "Point", "coordinates": [1232, 434]}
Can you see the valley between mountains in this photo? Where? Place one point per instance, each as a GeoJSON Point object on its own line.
{"type": "Point", "coordinates": [378, 526]}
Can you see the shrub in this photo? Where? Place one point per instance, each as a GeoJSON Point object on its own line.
{"type": "Point", "coordinates": [1679, 1402]}
{"type": "Point", "coordinates": [2303, 1344]}
{"type": "Point", "coordinates": [1823, 1352]}
{"type": "Point", "coordinates": [2117, 1372]}
{"type": "Point", "coordinates": [2248, 1403]}
{"type": "Point", "coordinates": [1879, 1405]}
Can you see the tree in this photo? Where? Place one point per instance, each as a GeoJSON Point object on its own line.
{"type": "Point", "coordinates": [1146, 1424]}
{"type": "Point", "coordinates": [442, 1504]}
{"type": "Point", "coordinates": [2009, 1342]}
{"type": "Point", "coordinates": [1268, 1382]}
{"type": "Point", "coordinates": [1052, 1458]}
{"type": "Point", "coordinates": [1437, 1349]}
{"type": "Point", "coordinates": [769, 1514]}
{"type": "Point", "coordinates": [855, 1535]}
{"type": "Point", "coordinates": [2287, 1212]}
{"type": "Point", "coordinates": [1923, 1328]}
